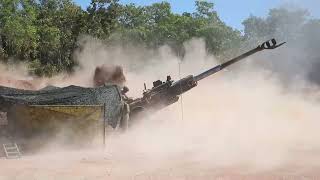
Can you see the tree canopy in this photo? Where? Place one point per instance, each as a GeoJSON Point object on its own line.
{"type": "Point", "coordinates": [44, 33]}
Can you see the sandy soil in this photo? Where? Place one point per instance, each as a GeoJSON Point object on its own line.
{"type": "Point", "coordinates": [103, 164]}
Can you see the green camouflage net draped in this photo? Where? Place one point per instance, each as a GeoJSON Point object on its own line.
{"type": "Point", "coordinates": [71, 95]}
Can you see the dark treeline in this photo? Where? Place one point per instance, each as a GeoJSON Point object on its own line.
{"type": "Point", "coordinates": [44, 33]}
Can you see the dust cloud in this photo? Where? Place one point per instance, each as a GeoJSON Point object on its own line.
{"type": "Point", "coordinates": [16, 75]}
{"type": "Point", "coordinates": [239, 119]}
{"type": "Point", "coordinates": [235, 124]}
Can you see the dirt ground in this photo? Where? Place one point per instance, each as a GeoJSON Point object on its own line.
{"type": "Point", "coordinates": [135, 158]}
{"type": "Point", "coordinates": [106, 163]}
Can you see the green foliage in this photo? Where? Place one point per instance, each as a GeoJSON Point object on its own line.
{"type": "Point", "coordinates": [101, 18]}
{"type": "Point", "coordinates": [44, 33]}
{"type": "Point", "coordinates": [281, 23]}
{"type": "Point", "coordinates": [156, 25]}
{"type": "Point", "coordinates": [19, 36]}
{"type": "Point", "coordinates": [300, 57]}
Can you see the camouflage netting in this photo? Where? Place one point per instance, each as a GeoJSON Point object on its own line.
{"type": "Point", "coordinates": [71, 95]}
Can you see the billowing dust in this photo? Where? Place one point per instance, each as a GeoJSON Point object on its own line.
{"type": "Point", "coordinates": [16, 75]}
{"type": "Point", "coordinates": [234, 125]}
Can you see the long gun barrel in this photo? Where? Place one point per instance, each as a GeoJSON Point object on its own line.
{"type": "Point", "coordinates": [271, 44]}
{"type": "Point", "coordinates": [165, 93]}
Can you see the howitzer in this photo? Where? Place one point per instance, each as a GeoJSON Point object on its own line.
{"type": "Point", "coordinates": [163, 94]}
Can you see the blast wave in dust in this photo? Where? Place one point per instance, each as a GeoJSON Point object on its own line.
{"type": "Point", "coordinates": [244, 119]}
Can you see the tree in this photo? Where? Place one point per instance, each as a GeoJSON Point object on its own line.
{"type": "Point", "coordinates": [218, 36]}
{"type": "Point", "coordinates": [44, 33]}
{"type": "Point", "coordinates": [101, 18]}
{"type": "Point", "coordinates": [156, 25]}
{"type": "Point", "coordinates": [18, 31]}
{"type": "Point", "coordinates": [281, 22]}
{"type": "Point", "coordinates": [300, 56]}
{"type": "Point", "coordinates": [59, 23]}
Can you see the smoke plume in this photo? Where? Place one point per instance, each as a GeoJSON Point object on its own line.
{"type": "Point", "coordinates": [235, 121]}
{"type": "Point", "coordinates": [243, 119]}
